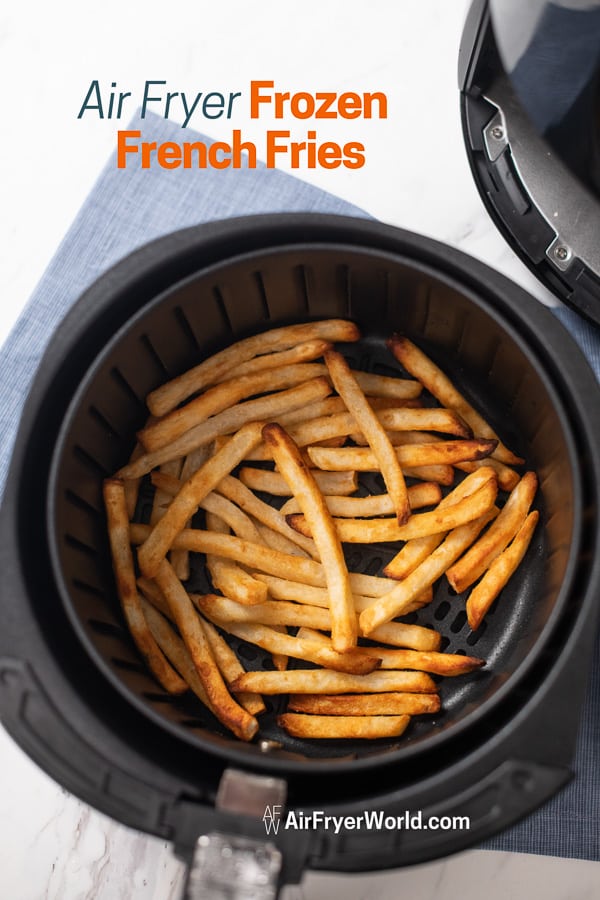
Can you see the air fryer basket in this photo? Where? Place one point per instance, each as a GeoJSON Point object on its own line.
{"type": "Point", "coordinates": [238, 279]}
{"type": "Point", "coordinates": [247, 293]}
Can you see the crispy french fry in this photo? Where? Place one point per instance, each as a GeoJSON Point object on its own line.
{"type": "Point", "coordinates": [185, 504]}
{"type": "Point", "coordinates": [304, 352]}
{"type": "Point", "coordinates": [349, 390]}
{"type": "Point", "coordinates": [278, 541]}
{"type": "Point", "coordinates": [238, 493]}
{"type": "Point", "coordinates": [229, 712]}
{"type": "Point", "coordinates": [169, 395]}
{"type": "Point", "coordinates": [274, 483]}
{"type": "Point", "coordinates": [395, 420]}
{"type": "Point", "coordinates": [279, 642]}
{"type": "Point", "coordinates": [394, 603]}
{"type": "Point", "coordinates": [324, 681]}
{"type": "Point", "coordinates": [132, 486]}
{"type": "Point", "coordinates": [261, 558]}
{"type": "Point", "coordinates": [175, 650]}
{"type": "Point", "coordinates": [508, 479]}
{"type": "Point", "coordinates": [485, 592]}
{"type": "Point", "coordinates": [162, 498]}
{"type": "Point", "coordinates": [361, 460]}
{"type": "Point", "coordinates": [367, 531]}
{"type": "Point", "coordinates": [233, 516]}
{"type": "Point", "coordinates": [388, 387]}
{"type": "Point", "coordinates": [332, 727]}
{"type": "Point", "coordinates": [229, 421]}
{"type": "Point", "coordinates": [269, 613]}
{"type": "Point", "coordinates": [423, 661]}
{"type": "Point", "coordinates": [131, 604]}
{"type": "Point", "coordinates": [426, 494]}
{"type": "Point", "coordinates": [390, 704]}
{"type": "Point", "coordinates": [180, 559]}
{"type": "Point", "coordinates": [482, 554]}
{"type": "Point", "coordinates": [222, 397]}
{"type": "Point", "coordinates": [306, 491]}
{"type": "Point", "coordinates": [231, 668]}
{"type": "Point", "coordinates": [398, 634]}
{"type": "Point", "coordinates": [438, 384]}
{"type": "Point", "coordinates": [415, 551]}
{"type": "Point", "coordinates": [441, 474]}
{"type": "Point", "coordinates": [227, 576]}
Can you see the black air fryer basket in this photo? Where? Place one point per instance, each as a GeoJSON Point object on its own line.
{"type": "Point", "coordinates": [75, 694]}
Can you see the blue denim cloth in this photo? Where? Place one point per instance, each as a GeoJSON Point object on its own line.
{"type": "Point", "coordinates": [127, 208]}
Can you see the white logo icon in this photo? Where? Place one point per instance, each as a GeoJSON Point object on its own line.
{"type": "Point", "coordinates": [272, 818]}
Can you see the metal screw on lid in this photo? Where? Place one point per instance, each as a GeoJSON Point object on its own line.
{"type": "Point", "coordinates": [497, 132]}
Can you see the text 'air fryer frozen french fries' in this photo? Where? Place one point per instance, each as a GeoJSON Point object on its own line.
{"type": "Point", "coordinates": [268, 438]}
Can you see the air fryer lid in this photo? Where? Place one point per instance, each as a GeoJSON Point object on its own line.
{"type": "Point", "coordinates": [528, 75]}
{"type": "Point", "coordinates": [227, 281]}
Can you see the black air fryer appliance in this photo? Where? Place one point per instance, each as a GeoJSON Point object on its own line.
{"type": "Point", "coordinates": [73, 691]}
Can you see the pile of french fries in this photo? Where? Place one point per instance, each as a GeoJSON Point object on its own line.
{"type": "Point", "coordinates": [280, 577]}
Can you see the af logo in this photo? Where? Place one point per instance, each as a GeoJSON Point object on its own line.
{"type": "Point", "coordinates": [272, 818]}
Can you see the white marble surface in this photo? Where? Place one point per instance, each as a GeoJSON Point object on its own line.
{"type": "Point", "coordinates": [51, 845]}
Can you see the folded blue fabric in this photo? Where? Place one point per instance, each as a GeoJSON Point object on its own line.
{"type": "Point", "coordinates": [127, 208]}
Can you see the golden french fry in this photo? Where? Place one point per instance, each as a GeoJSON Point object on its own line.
{"type": "Point", "coordinates": [228, 577]}
{"type": "Point", "coordinates": [233, 516]}
{"type": "Point", "coordinates": [274, 483]}
{"type": "Point", "coordinates": [332, 727]}
{"type": "Point", "coordinates": [422, 661]}
{"type": "Point", "coordinates": [444, 421]}
{"type": "Point", "coordinates": [222, 397]}
{"type": "Point", "coordinates": [325, 681]}
{"type": "Point", "coordinates": [169, 395]}
{"type": "Point", "coordinates": [394, 604]}
{"type": "Point", "coordinates": [413, 637]}
{"type": "Point", "coordinates": [228, 711]}
{"type": "Point", "coordinates": [412, 555]}
{"type": "Point", "coordinates": [448, 664]}
{"type": "Point", "coordinates": [271, 612]}
{"type": "Point", "coordinates": [278, 541]}
{"type": "Point", "coordinates": [386, 387]}
{"type": "Point", "coordinates": [390, 704]}
{"type": "Point", "coordinates": [238, 493]}
{"type": "Point", "coordinates": [415, 551]}
{"type": "Point", "coordinates": [397, 634]}
{"type": "Point", "coordinates": [348, 388]}
{"type": "Point", "coordinates": [261, 558]}
{"type": "Point", "coordinates": [440, 452]}
{"type": "Point", "coordinates": [132, 486]}
{"type": "Point", "coordinates": [426, 494]}
{"type": "Point", "coordinates": [482, 554]}
{"type": "Point", "coordinates": [180, 559]}
{"type": "Point", "coordinates": [185, 504]}
{"type": "Point", "coordinates": [440, 474]}
{"type": "Point", "coordinates": [231, 668]}
{"type": "Point", "coordinates": [131, 603]}
{"type": "Point", "coordinates": [310, 498]}
{"type": "Point", "coordinates": [175, 650]}
{"type": "Point", "coordinates": [280, 642]}
{"type": "Point", "coordinates": [483, 594]}
{"type": "Point", "coordinates": [230, 420]}
{"type": "Point", "coordinates": [395, 420]}
{"type": "Point", "coordinates": [367, 531]}
{"type": "Point", "coordinates": [508, 479]}
{"type": "Point", "coordinates": [438, 384]}
{"type": "Point", "coordinates": [303, 352]}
